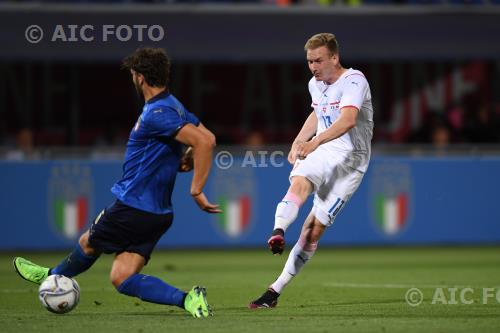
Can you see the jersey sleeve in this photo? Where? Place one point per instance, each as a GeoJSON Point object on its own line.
{"type": "Point", "coordinates": [166, 121]}
{"type": "Point", "coordinates": [191, 118]}
{"type": "Point", "coordinates": [355, 91]}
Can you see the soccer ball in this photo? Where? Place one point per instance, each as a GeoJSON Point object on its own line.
{"type": "Point", "coordinates": [59, 294]}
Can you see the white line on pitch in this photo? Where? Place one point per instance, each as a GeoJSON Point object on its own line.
{"type": "Point", "coordinates": [396, 286]}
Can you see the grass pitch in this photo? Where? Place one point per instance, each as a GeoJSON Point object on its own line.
{"type": "Point", "coordinates": [343, 290]}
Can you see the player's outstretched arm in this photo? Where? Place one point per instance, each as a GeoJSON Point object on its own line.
{"type": "Point", "coordinates": [306, 133]}
{"type": "Point", "coordinates": [203, 143]}
{"type": "Point", "coordinates": [344, 123]}
{"type": "Point", "coordinates": [206, 131]}
{"type": "Point", "coordinates": [187, 162]}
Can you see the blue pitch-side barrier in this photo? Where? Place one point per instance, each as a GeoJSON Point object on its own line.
{"type": "Point", "coordinates": [446, 201]}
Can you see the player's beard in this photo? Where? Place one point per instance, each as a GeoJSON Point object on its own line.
{"type": "Point", "coordinates": [138, 89]}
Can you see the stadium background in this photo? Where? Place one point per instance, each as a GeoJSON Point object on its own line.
{"type": "Point", "coordinates": [67, 108]}
{"type": "Point", "coordinates": [426, 215]}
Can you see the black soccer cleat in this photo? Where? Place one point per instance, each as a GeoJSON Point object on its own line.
{"type": "Point", "coordinates": [268, 300]}
{"type": "Point", "coordinates": [277, 241]}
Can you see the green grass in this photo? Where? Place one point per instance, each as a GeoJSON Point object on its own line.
{"type": "Point", "coordinates": [343, 290]}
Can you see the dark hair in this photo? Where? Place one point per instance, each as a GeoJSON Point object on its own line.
{"type": "Point", "coordinates": [152, 63]}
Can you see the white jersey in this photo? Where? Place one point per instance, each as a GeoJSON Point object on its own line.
{"type": "Point", "coordinates": [351, 89]}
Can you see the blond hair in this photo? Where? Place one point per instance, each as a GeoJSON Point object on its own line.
{"type": "Point", "coordinates": [323, 39]}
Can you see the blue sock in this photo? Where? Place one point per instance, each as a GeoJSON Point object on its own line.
{"type": "Point", "coordinates": [75, 263]}
{"type": "Point", "coordinates": [151, 289]}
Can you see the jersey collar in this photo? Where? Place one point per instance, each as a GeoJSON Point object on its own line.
{"type": "Point", "coordinates": [347, 71]}
{"type": "Point", "coordinates": [159, 96]}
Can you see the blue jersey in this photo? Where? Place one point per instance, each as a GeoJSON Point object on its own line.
{"type": "Point", "coordinates": [153, 155]}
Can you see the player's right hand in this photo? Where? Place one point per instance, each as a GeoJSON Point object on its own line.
{"type": "Point", "coordinates": [292, 155]}
{"type": "Point", "coordinates": [202, 202]}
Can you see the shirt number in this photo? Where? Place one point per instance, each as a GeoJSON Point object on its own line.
{"type": "Point", "coordinates": [327, 120]}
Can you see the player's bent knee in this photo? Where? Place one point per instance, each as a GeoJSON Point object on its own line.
{"type": "Point", "coordinates": [301, 186]}
{"type": "Point", "coordinates": [85, 245]}
{"type": "Point", "coordinates": [120, 273]}
{"type": "Point", "coordinates": [300, 182]}
{"type": "Point", "coordinates": [118, 277]}
{"type": "Point", "coordinates": [84, 239]}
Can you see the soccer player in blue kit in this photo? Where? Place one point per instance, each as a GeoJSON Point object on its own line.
{"type": "Point", "coordinates": [142, 212]}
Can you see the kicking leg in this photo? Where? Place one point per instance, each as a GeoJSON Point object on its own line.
{"type": "Point", "coordinates": [287, 211]}
{"type": "Point", "coordinates": [82, 257]}
{"type": "Point", "coordinates": [78, 261]}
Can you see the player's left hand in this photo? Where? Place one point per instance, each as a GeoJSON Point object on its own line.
{"type": "Point", "coordinates": [187, 162]}
{"type": "Point", "coordinates": [306, 148]}
{"type": "Point", "coordinates": [202, 202]}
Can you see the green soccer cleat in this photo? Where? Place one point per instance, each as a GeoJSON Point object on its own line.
{"type": "Point", "coordinates": [30, 271]}
{"type": "Point", "coordinates": [196, 303]}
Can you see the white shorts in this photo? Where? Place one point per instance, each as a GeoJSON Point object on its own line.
{"type": "Point", "coordinates": [334, 182]}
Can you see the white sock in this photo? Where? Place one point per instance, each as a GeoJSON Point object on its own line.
{"type": "Point", "coordinates": [287, 211]}
{"type": "Point", "coordinates": [300, 254]}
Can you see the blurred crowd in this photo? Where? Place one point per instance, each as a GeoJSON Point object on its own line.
{"type": "Point", "coordinates": [24, 133]}
{"type": "Point", "coordinates": [460, 124]}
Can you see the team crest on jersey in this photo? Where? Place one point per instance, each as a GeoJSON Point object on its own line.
{"type": "Point", "coordinates": [234, 191]}
{"type": "Point", "coordinates": [137, 124]}
{"type": "Point", "coordinates": [334, 106]}
{"type": "Point", "coordinates": [391, 197]}
{"type": "Point", "coordinates": [69, 193]}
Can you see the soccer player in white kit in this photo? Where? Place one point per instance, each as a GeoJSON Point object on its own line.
{"type": "Point", "coordinates": [330, 156]}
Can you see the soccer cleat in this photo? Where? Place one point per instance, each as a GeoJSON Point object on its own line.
{"type": "Point", "coordinates": [30, 271]}
{"type": "Point", "coordinates": [268, 300]}
{"type": "Point", "coordinates": [196, 303]}
{"type": "Point", "coordinates": [277, 241]}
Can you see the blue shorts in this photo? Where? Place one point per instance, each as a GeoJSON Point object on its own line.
{"type": "Point", "coordinates": [121, 228]}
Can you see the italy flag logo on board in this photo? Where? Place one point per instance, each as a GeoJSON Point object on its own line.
{"type": "Point", "coordinates": [391, 212]}
{"type": "Point", "coordinates": [234, 189]}
{"type": "Point", "coordinates": [71, 215]}
{"type": "Point", "coordinates": [69, 196]}
{"type": "Point", "coordinates": [391, 197]}
{"type": "Point", "coordinates": [235, 216]}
